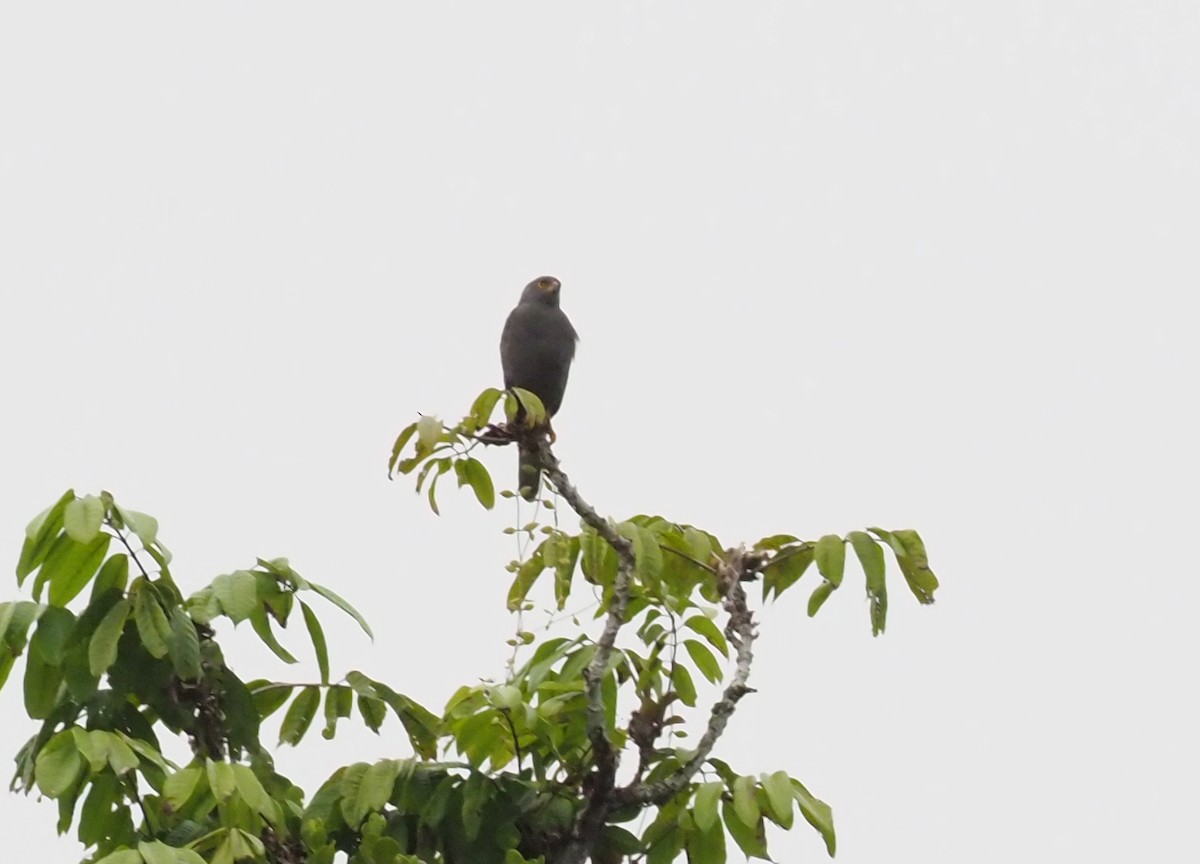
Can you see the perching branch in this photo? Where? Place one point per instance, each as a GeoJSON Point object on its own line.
{"type": "Point", "coordinates": [602, 782]}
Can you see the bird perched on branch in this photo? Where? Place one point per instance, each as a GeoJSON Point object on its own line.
{"type": "Point", "coordinates": [536, 350]}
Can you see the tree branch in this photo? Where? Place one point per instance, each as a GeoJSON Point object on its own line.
{"type": "Point", "coordinates": [733, 567]}
{"type": "Point", "coordinates": [601, 783]}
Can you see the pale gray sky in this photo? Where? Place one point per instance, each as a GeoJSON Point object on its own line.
{"type": "Point", "coordinates": [833, 265]}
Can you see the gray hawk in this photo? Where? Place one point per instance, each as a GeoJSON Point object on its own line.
{"type": "Point", "coordinates": [536, 350]}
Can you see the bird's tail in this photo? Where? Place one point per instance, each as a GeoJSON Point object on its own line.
{"type": "Point", "coordinates": [529, 473]}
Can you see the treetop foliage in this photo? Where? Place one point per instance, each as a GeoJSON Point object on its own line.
{"type": "Point", "coordinates": [593, 746]}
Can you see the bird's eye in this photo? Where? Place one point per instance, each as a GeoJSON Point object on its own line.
{"type": "Point", "coordinates": [546, 284]}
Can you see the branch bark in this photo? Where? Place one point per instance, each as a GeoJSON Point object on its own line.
{"type": "Point", "coordinates": [600, 786]}
{"type": "Point", "coordinates": [733, 567]}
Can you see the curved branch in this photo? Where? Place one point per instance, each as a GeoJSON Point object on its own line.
{"type": "Point", "coordinates": [731, 571]}
{"type": "Point", "coordinates": [601, 784]}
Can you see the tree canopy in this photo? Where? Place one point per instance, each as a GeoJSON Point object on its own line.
{"type": "Point", "coordinates": [596, 744]}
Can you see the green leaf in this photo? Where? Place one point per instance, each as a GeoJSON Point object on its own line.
{"type": "Point", "coordinates": [786, 568]}
{"type": "Point", "coordinates": [122, 856]}
{"type": "Point", "coordinates": [92, 746]}
{"type": "Point", "coordinates": [914, 564]}
{"type": "Point", "coordinates": [268, 697]}
{"type": "Point", "coordinates": [367, 791]}
{"type": "Point", "coordinates": [102, 650]}
{"type": "Point", "coordinates": [818, 814]}
{"type": "Point", "coordinates": [744, 803]}
{"type": "Point", "coordinates": [830, 555]}
{"type": "Point", "coordinates": [646, 552]}
{"type": "Point", "coordinates": [778, 787]}
{"type": "Point", "coordinates": [564, 568]}
{"type": "Point", "coordinates": [526, 576]}
{"type": "Point", "coordinates": [83, 518]}
{"type": "Point", "coordinates": [819, 596]}
{"type": "Point", "coordinates": [751, 839]}
{"type": "Point", "coordinates": [708, 795]}
{"type": "Point", "coordinates": [113, 574]}
{"type": "Point", "coordinates": [373, 711]}
{"type": "Point", "coordinates": [143, 525]}
{"type": "Point", "coordinates": [251, 790]}
{"type": "Point", "coordinates": [535, 411]}
{"type": "Point", "coordinates": [339, 701]}
{"type": "Point", "coordinates": [71, 565]}
{"type": "Point", "coordinates": [870, 556]}
{"type": "Point", "coordinates": [40, 535]}
{"type": "Point", "coordinates": [681, 681]}
{"type": "Point", "coordinates": [58, 765]}
{"type": "Point", "coordinates": [221, 780]}
{"type": "Point", "coordinates": [178, 787]}
{"type": "Point", "coordinates": [483, 406]}
{"type": "Point", "coordinates": [183, 645]}
{"type": "Point", "coordinates": [50, 639]}
{"type": "Point", "coordinates": [41, 687]}
{"type": "Point", "coordinates": [337, 601]}
{"type": "Point", "coordinates": [704, 660]}
{"type": "Point", "coordinates": [153, 626]}
{"type": "Point", "coordinates": [318, 640]}
{"type": "Point", "coordinates": [398, 447]}
{"type": "Point", "coordinates": [237, 593]}
{"type": "Point", "coordinates": [262, 626]}
{"type": "Point", "coordinates": [706, 846]}
{"type": "Point", "coordinates": [96, 816]}
{"type": "Point", "coordinates": [157, 852]}
{"type": "Point", "coordinates": [121, 757]}
{"type": "Point", "coordinates": [299, 716]}
{"type": "Point", "coordinates": [480, 481]}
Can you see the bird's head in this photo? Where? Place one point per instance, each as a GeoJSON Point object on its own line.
{"type": "Point", "coordinates": [544, 289]}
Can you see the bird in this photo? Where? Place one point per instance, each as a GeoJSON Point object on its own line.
{"type": "Point", "coordinates": [537, 346]}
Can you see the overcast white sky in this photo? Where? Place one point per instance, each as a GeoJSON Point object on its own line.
{"type": "Point", "coordinates": [833, 265]}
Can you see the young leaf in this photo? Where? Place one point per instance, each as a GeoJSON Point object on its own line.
{"type": "Point", "coordinates": [483, 406]}
{"type": "Point", "coordinates": [480, 481]}
{"type": "Point", "coordinates": [40, 535]}
{"type": "Point", "coordinates": [143, 525]}
{"type": "Point", "coordinates": [82, 519]}
{"type": "Point", "coordinates": [398, 447]}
